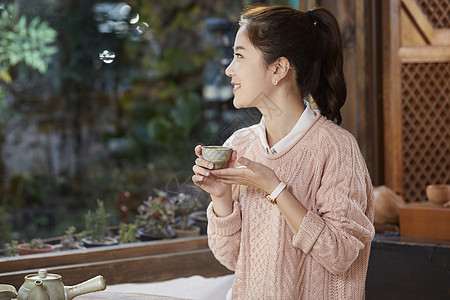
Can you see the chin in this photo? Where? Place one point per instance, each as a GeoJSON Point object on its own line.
{"type": "Point", "coordinates": [238, 105]}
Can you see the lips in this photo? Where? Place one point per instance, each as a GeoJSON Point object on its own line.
{"type": "Point", "coordinates": [235, 86]}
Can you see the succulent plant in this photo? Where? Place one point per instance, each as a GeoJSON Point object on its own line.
{"type": "Point", "coordinates": [156, 213]}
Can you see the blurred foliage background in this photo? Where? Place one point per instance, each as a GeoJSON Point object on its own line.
{"type": "Point", "coordinates": [97, 98]}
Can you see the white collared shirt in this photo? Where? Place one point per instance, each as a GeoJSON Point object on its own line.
{"type": "Point", "coordinates": [302, 124]}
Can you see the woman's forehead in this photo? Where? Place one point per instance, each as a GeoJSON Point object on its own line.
{"type": "Point", "coordinates": [241, 40]}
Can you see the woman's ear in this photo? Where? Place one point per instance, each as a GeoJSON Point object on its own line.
{"type": "Point", "coordinates": [281, 68]}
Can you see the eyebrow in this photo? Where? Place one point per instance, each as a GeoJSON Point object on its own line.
{"type": "Point", "coordinates": [238, 48]}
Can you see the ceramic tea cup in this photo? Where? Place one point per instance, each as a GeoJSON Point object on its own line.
{"type": "Point", "coordinates": [438, 193]}
{"type": "Point", "coordinates": [218, 155]}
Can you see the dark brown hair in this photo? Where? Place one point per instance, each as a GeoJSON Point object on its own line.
{"type": "Point", "coordinates": [311, 42]}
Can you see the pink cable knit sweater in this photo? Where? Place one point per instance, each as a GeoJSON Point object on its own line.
{"type": "Point", "coordinates": [328, 257]}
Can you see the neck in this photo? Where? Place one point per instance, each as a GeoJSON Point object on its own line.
{"type": "Point", "coordinates": [282, 116]}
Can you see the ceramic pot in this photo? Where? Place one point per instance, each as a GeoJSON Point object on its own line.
{"type": "Point", "coordinates": [24, 249]}
{"type": "Point", "coordinates": [44, 285]}
{"type": "Point", "coordinates": [218, 155]}
{"type": "Point", "coordinates": [151, 236]}
{"type": "Point", "coordinates": [190, 231]}
{"type": "Point", "coordinates": [438, 193]}
{"type": "Point", "coordinates": [387, 205]}
{"type": "Point", "coordinates": [108, 241]}
{"type": "Point", "coordinates": [200, 219]}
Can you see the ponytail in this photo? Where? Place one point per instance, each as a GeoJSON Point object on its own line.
{"type": "Point", "coordinates": [331, 90]}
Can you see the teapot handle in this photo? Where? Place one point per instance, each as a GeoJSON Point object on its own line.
{"type": "Point", "coordinates": [95, 284]}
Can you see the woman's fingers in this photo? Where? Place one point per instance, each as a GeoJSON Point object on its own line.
{"type": "Point", "coordinates": [198, 150]}
{"type": "Point", "coordinates": [204, 163]}
{"type": "Point", "coordinates": [200, 161]}
{"type": "Point", "coordinates": [231, 161]}
{"type": "Point", "coordinates": [233, 155]}
{"type": "Point", "coordinates": [230, 173]}
{"type": "Point", "coordinates": [227, 181]}
{"type": "Point", "coordinates": [254, 166]}
{"type": "Point", "coordinates": [198, 179]}
{"type": "Point", "coordinates": [204, 179]}
{"type": "Point", "coordinates": [201, 171]}
{"type": "Point", "coordinates": [248, 173]}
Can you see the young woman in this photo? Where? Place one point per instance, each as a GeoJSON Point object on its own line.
{"type": "Point", "coordinates": [292, 213]}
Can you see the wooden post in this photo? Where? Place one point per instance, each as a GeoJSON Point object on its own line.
{"type": "Point", "coordinates": [391, 96]}
{"type": "Point", "coordinates": [358, 21]}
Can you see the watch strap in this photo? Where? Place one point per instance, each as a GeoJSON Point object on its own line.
{"type": "Point", "coordinates": [276, 192]}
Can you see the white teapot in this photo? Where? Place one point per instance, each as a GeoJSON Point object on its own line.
{"type": "Point", "coordinates": [46, 286]}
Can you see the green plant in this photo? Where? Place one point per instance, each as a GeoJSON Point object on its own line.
{"type": "Point", "coordinates": [156, 213]}
{"type": "Point", "coordinates": [11, 248]}
{"type": "Point", "coordinates": [173, 127]}
{"type": "Point", "coordinates": [37, 243]}
{"type": "Point", "coordinates": [22, 41]}
{"type": "Point", "coordinates": [96, 222]}
{"type": "Point", "coordinates": [5, 227]}
{"type": "Point", "coordinates": [69, 240]}
{"type": "Point", "coordinates": [127, 232]}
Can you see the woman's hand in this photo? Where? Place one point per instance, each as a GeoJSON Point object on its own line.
{"type": "Point", "coordinates": [220, 191]}
{"type": "Point", "coordinates": [206, 180]}
{"type": "Point", "coordinates": [249, 173]}
{"type": "Point", "coordinates": [254, 174]}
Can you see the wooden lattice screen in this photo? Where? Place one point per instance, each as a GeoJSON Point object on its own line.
{"type": "Point", "coordinates": [425, 126]}
{"type": "Point", "coordinates": [416, 89]}
{"type": "Point", "coordinates": [437, 12]}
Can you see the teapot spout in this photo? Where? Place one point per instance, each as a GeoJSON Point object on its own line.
{"type": "Point", "coordinates": [38, 293]}
{"type": "Point", "coordinates": [95, 284]}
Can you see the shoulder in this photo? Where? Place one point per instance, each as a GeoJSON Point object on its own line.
{"type": "Point", "coordinates": [243, 138]}
{"type": "Point", "coordinates": [331, 139]}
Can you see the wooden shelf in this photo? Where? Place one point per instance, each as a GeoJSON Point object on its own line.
{"type": "Point", "coordinates": [425, 220]}
{"type": "Point", "coordinates": [124, 263]}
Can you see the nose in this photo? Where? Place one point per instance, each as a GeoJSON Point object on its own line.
{"type": "Point", "coordinates": [229, 71]}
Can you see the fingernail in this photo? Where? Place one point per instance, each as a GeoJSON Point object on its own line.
{"type": "Point", "coordinates": [210, 165]}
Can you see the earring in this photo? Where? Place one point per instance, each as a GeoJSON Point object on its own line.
{"type": "Point", "coordinates": [275, 81]}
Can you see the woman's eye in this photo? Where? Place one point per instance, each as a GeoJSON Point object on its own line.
{"type": "Point", "coordinates": [238, 55]}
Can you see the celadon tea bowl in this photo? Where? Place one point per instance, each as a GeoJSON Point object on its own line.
{"type": "Point", "coordinates": [218, 155]}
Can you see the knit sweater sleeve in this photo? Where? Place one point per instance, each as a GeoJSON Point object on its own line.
{"type": "Point", "coordinates": [341, 223]}
{"type": "Point", "coordinates": [224, 235]}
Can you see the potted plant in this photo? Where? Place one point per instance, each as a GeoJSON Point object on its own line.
{"type": "Point", "coordinates": [185, 204]}
{"type": "Point", "coordinates": [127, 232]}
{"type": "Point", "coordinates": [96, 228]}
{"type": "Point", "coordinates": [11, 248]}
{"type": "Point", "coordinates": [34, 246]}
{"type": "Point", "coordinates": [200, 219]}
{"type": "Point", "coordinates": [154, 216]}
{"type": "Point", "coordinates": [70, 239]}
